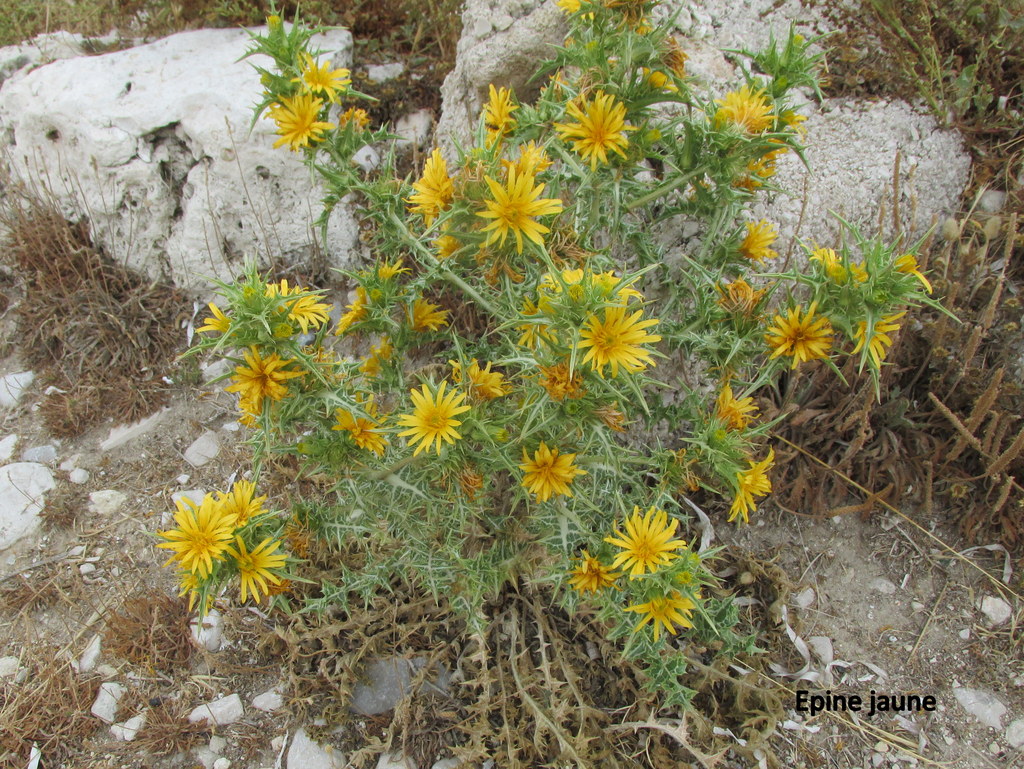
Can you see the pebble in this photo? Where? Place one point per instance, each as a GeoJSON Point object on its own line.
{"type": "Point", "coordinates": [269, 701]}
{"type": "Point", "coordinates": [124, 433]}
{"type": "Point", "coordinates": [78, 475]}
{"type": "Point", "coordinates": [127, 731]}
{"type": "Point", "coordinates": [881, 585]}
{"type": "Point", "coordinates": [367, 158]}
{"type": "Point", "coordinates": [394, 761]}
{"type": "Point", "coordinates": [210, 632]}
{"type": "Point", "coordinates": [218, 744]}
{"type": "Point", "coordinates": [203, 449]}
{"type": "Point", "coordinates": [447, 763]}
{"type": "Point", "coordinates": [378, 73]}
{"type": "Point", "coordinates": [304, 753]}
{"type": "Point", "coordinates": [222, 763]}
{"type": "Point", "coordinates": [105, 706]}
{"type": "Point", "coordinates": [13, 387]}
{"type": "Point", "coordinates": [7, 446]}
{"type": "Point", "coordinates": [91, 655]}
{"type": "Point", "coordinates": [220, 712]}
{"type": "Point", "coordinates": [106, 501]}
{"type": "Point", "coordinates": [965, 634]}
{"type": "Point", "coordinates": [385, 682]}
{"type": "Point", "coordinates": [44, 455]}
{"type": "Point", "coordinates": [183, 478]}
{"type": "Point", "coordinates": [996, 610]}
{"type": "Point", "coordinates": [992, 201]}
{"type": "Point", "coordinates": [502, 21]}
{"type": "Point", "coordinates": [482, 27]}
{"type": "Point", "coordinates": [805, 598]}
{"type": "Point", "coordinates": [983, 705]}
{"type": "Point", "coordinates": [414, 128]}
{"type": "Point", "coordinates": [87, 568]}
{"type": "Point", "coordinates": [9, 667]}
{"type": "Point", "coordinates": [1015, 733]}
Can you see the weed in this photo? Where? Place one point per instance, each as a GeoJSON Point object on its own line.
{"type": "Point", "coordinates": [151, 629]}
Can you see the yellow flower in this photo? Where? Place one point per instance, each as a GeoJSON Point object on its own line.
{"type": "Point", "coordinates": [675, 58]}
{"type": "Point", "coordinates": [617, 340]}
{"type": "Point", "coordinates": [201, 537]}
{"type": "Point", "coordinates": [549, 472]}
{"type": "Point", "coordinates": [434, 190]}
{"type": "Point", "coordinates": [739, 297]}
{"type": "Point", "coordinates": [590, 575]}
{"type": "Point", "coordinates": [736, 413]}
{"type": "Point", "coordinates": [497, 113]}
{"type": "Point", "coordinates": [355, 312]}
{"type": "Point", "coordinates": [387, 271]}
{"type": "Point", "coordinates": [297, 123]}
{"type": "Point", "coordinates": [241, 502]}
{"type": "Point", "coordinates": [834, 268]}
{"type": "Point", "coordinates": [483, 383]}
{"type": "Point", "coordinates": [610, 286]}
{"type": "Point", "coordinates": [569, 6]}
{"type": "Point", "coordinates": [746, 109]}
{"type": "Point", "coordinates": [218, 322]}
{"type": "Point", "coordinates": [804, 338]}
{"type": "Point", "coordinates": [190, 584]}
{"type": "Point", "coordinates": [560, 383]}
{"type": "Point", "coordinates": [359, 118]}
{"type": "Point", "coordinates": [304, 310]}
{"type": "Point", "coordinates": [759, 237]}
{"type": "Point", "coordinates": [514, 208]}
{"type": "Point", "coordinates": [532, 333]}
{"type": "Point", "coordinates": [753, 480]}
{"type": "Point", "coordinates": [600, 126]}
{"type": "Point", "coordinates": [446, 245]}
{"type": "Point", "coordinates": [906, 264]}
{"type": "Point", "coordinates": [426, 316]}
{"type": "Point", "coordinates": [321, 79]}
{"type": "Point", "coordinates": [254, 567]}
{"type": "Point", "coordinates": [647, 543]}
{"type": "Point", "coordinates": [379, 353]}
{"type": "Point", "coordinates": [433, 418]}
{"type": "Point", "coordinates": [363, 431]}
{"type": "Point", "coordinates": [262, 378]}
{"type": "Point", "coordinates": [667, 612]}
{"type": "Point", "coordinates": [532, 160]}
{"type": "Point", "coordinates": [878, 346]}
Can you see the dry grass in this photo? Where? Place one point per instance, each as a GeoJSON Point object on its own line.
{"type": "Point", "coordinates": [151, 629]}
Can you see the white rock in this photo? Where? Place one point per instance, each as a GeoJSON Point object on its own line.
{"type": "Point", "coordinates": [106, 501]}
{"type": "Point", "coordinates": [79, 476]}
{"type": "Point", "coordinates": [210, 632]}
{"type": "Point", "coordinates": [124, 433]}
{"type": "Point", "coordinates": [367, 158]}
{"type": "Point", "coordinates": [805, 598]}
{"type": "Point", "coordinates": [9, 667]}
{"type": "Point", "coordinates": [394, 761]}
{"type": "Point", "coordinates": [215, 369]}
{"type": "Point", "coordinates": [1015, 733]}
{"type": "Point", "coordinates": [44, 455]}
{"type": "Point", "coordinates": [220, 712]}
{"type": "Point", "coordinates": [965, 634]}
{"type": "Point", "coordinates": [218, 744]}
{"type": "Point", "coordinates": [984, 706]}
{"type": "Point", "coordinates": [222, 763]}
{"type": "Point", "coordinates": [992, 201]}
{"type": "Point", "coordinates": [502, 21]}
{"type": "Point", "coordinates": [105, 706]}
{"type": "Point", "coordinates": [378, 73]}
{"type": "Point", "coordinates": [205, 756]}
{"type": "Point", "coordinates": [448, 763]}
{"type": "Point", "coordinates": [414, 128]}
{"type": "Point", "coordinates": [87, 568]}
{"type": "Point", "coordinates": [304, 753]}
{"type": "Point", "coordinates": [22, 489]}
{"type": "Point", "coordinates": [128, 730]}
{"type": "Point", "coordinates": [70, 463]}
{"type": "Point", "coordinates": [195, 496]}
{"type": "Point", "coordinates": [183, 478]}
{"type": "Point", "coordinates": [881, 585]}
{"type": "Point", "coordinates": [13, 387]}
{"type": "Point", "coordinates": [269, 701]}
{"type": "Point", "coordinates": [7, 446]}
{"type": "Point", "coordinates": [996, 610]}
{"type": "Point", "coordinates": [91, 655]}
{"type": "Point", "coordinates": [203, 449]}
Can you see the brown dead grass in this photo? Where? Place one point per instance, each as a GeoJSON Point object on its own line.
{"type": "Point", "coordinates": [151, 629]}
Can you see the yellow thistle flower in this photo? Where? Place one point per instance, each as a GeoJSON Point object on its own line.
{"type": "Point", "coordinates": [590, 575]}
{"type": "Point", "coordinates": [434, 190]}
{"type": "Point", "coordinates": [756, 244]}
{"type": "Point", "coordinates": [752, 481]}
{"type": "Point", "coordinates": [675, 58]}
{"type": "Point", "coordinates": [241, 502]}
{"type": "Point", "coordinates": [262, 378]}
{"type": "Point", "coordinates": [482, 382]}
{"type": "Point", "coordinates": [202, 535]}
{"type": "Point", "coordinates": [305, 310]}
{"type": "Point", "coordinates": [611, 287]}
{"type": "Point", "coordinates": [560, 383]}
{"type": "Point", "coordinates": [497, 113]}
{"type": "Point", "coordinates": [833, 266]}
{"type": "Point", "coordinates": [353, 116]}
{"type": "Point", "coordinates": [471, 482]}
{"type": "Point", "coordinates": [794, 121]}
{"type": "Point", "coordinates": [616, 340]}
{"type": "Point", "coordinates": [433, 418]}
{"type": "Point", "coordinates": [319, 78]}
{"type": "Point", "coordinates": [532, 334]}
{"type": "Point", "coordinates": [804, 338]}
{"type": "Point", "coordinates": [746, 109]}
{"type": "Point", "coordinates": [379, 353]}
{"type": "Point", "coordinates": [907, 264]}
{"type": "Point", "coordinates": [880, 342]}
{"type": "Point", "coordinates": [569, 6]}
{"type": "Point", "coordinates": [364, 431]}
{"type": "Point", "coordinates": [667, 612]}
{"type": "Point", "coordinates": [514, 209]}
{"type": "Point", "coordinates": [425, 316]}
{"type": "Point", "coordinates": [191, 585]}
{"type": "Point", "coordinates": [739, 297]}
{"type": "Point", "coordinates": [254, 567]}
{"type": "Point", "coordinates": [532, 160]}
{"type": "Point", "coordinates": [250, 410]}
{"type": "Point", "coordinates": [647, 544]}
{"type": "Point", "coordinates": [548, 472]}
{"type": "Point", "coordinates": [355, 312]}
{"type": "Point", "coordinates": [387, 271]}
{"type": "Point", "coordinates": [600, 126]}
{"type": "Point", "coordinates": [611, 417]}
{"type": "Point", "coordinates": [217, 322]}
{"type": "Point", "coordinates": [297, 123]}
{"type": "Point", "coordinates": [446, 245]}
{"type": "Point", "coordinates": [737, 413]}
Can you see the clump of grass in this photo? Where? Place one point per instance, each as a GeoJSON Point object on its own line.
{"type": "Point", "coordinates": [151, 629]}
{"type": "Point", "coordinates": [168, 730]}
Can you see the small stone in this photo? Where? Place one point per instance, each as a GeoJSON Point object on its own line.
{"type": "Point", "coordinates": [385, 681]}
{"type": "Point", "coordinates": [205, 756]}
{"type": "Point", "coordinates": [502, 21]}
{"type": "Point", "coordinates": [71, 463]}
{"type": "Point", "coordinates": [44, 455]}
{"type": "Point", "coordinates": [220, 712]}
{"type": "Point", "coordinates": [916, 606]}
{"type": "Point", "coordinates": [367, 158]}
{"type": "Point", "coordinates": [394, 761]}
{"type": "Point", "coordinates": [992, 201]}
{"type": "Point", "coordinates": [379, 73]}
{"type": "Point", "coordinates": [882, 747]}
{"type": "Point", "coordinates": [996, 610]}
{"type": "Point", "coordinates": [106, 502]}
{"type": "Point", "coordinates": [203, 449]}
{"type": "Point", "coordinates": [965, 634]}
{"type": "Point", "coordinates": [87, 568]}
{"type": "Point", "coordinates": [222, 763]}
{"type": "Point", "coordinates": [994, 749]}
{"type": "Point", "coordinates": [304, 753]}
{"type": "Point", "coordinates": [983, 705]}
{"type": "Point", "coordinates": [877, 759]}
{"type": "Point", "coordinates": [183, 478]}
{"type": "Point", "coordinates": [9, 667]}
{"type": "Point", "coordinates": [105, 706]}
{"type": "Point", "coordinates": [13, 387]}
{"type": "Point", "coordinates": [218, 744]}
{"type": "Point", "coordinates": [76, 552]}
{"type": "Point", "coordinates": [1015, 733]}
{"type": "Point", "coordinates": [414, 128]}
{"type": "Point", "coordinates": [448, 763]}
{"type": "Point", "coordinates": [22, 489]}
{"type": "Point", "coordinates": [127, 731]}
{"type": "Point", "coordinates": [91, 655]}
{"type": "Point", "coordinates": [106, 671]}
{"type": "Point", "coordinates": [805, 598]}
{"type": "Point", "coordinates": [124, 433]}
{"type": "Point", "coordinates": [79, 476]}
{"type": "Point", "coordinates": [195, 496]}
{"type": "Point", "coordinates": [269, 701]}
{"type": "Point", "coordinates": [210, 632]}
{"type": "Point", "coordinates": [215, 370]}
{"type": "Point", "coordinates": [7, 446]}
{"type": "Point", "coordinates": [881, 585]}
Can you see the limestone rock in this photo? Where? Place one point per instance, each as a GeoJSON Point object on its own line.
{"type": "Point", "coordinates": [996, 610]}
{"type": "Point", "coordinates": [209, 633]}
{"type": "Point", "coordinates": [44, 455]}
{"type": "Point", "coordinates": [220, 712]}
{"type": "Point", "coordinates": [22, 489]}
{"type": "Point", "coordinates": [385, 681]}
{"type": "Point", "coordinates": [127, 731]}
{"type": "Point", "coordinates": [7, 447]}
{"type": "Point", "coordinates": [203, 449]}
{"type": "Point", "coordinates": [1015, 733]}
{"type": "Point", "coordinates": [304, 753]}
{"type": "Point", "coordinates": [105, 706]}
{"type": "Point", "coordinates": [984, 706]}
{"type": "Point", "coordinates": [91, 655]}
{"type": "Point", "coordinates": [106, 501]}
{"type": "Point", "coordinates": [13, 387]}
{"type": "Point", "coordinates": [124, 433]}
{"type": "Point", "coordinates": [269, 701]}
{"type": "Point", "coordinates": [9, 667]}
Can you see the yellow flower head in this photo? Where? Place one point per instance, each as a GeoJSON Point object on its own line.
{"type": "Point", "coordinates": [305, 310]}
{"type": "Point", "coordinates": [906, 264]}
{"type": "Point", "coordinates": [803, 337]}
{"type": "Point", "coordinates": [254, 567]}
{"type": "Point", "coordinates": [736, 413]}
{"type": "Point", "coordinates": [379, 353]}
{"type": "Point", "coordinates": [590, 575]}
{"type": "Point", "coordinates": [756, 245]}
{"type": "Point", "coordinates": [667, 612]}
{"type": "Point", "coordinates": [752, 481]}
{"type": "Point", "coordinates": [482, 382]}
{"type": "Point", "coordinates": [548, 472]}
{"type": "Point", "coordinates": [241, 502]}
{"type": "Point", "coordinates": [514, 209]}
{"type": "Point", "coordinates": [426, 316]}
{"type": "Point", "coordinates": [610, 286]}
{"type": "Point", "coordinates": [446, 245]}
{"type": "Point", "coordinates": [434, 190]}
{"type": "Point", "coordinates": [675, 58]}
{"type": "Point", "coordinates": [497, 113]}
{"type": "Point", "coordinates": [387, 271]}
{"type": "Point", "coordinates": [880, 342]}
{"type": "Point", "coordinates": [532, 160]}
{"type": "Point", "coordinates": [191, 585]}
{"type": "Point", "coordinates": [353, 116]}
{"type": "Point", "coordinates": [746, 109]}
{"type": "Point", "coordinates": [569, 6]}
{"type": "Point", "coordinates": [616, 340]}
{"type": "Point", "coordinates": [600, 126]}
{"type": "Point", "coordinates": [647, 543]}
{"type": "Point", "coordinates": [262, 377]}
{"type": "Point", "coordinates": [433, 418]}
{"type": "Point", "coordinates": [560, 383]}
{"type": "Point", "coordinates": [297, 122]}
{"type": "Point", "coordinates": [531, 334]}
{"type": "Point", "coordinates": [833, 266]}
{"type": "Point", "coordinates": [739, 297]}
{"type": "Point", "coordinates": [219, 322]}
{"type": "Point", "coordinates": [364, 432]}
{"type": "Point", "coordinates": [202, 535]}
{"type": "Point", "coordinates": [320, 79]}
{"type": "Point", "coordinates": [355, 312]}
